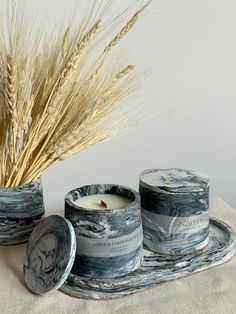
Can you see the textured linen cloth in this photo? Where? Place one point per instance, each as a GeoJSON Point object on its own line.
{"type": "Point", "coordinates": [210, 291]}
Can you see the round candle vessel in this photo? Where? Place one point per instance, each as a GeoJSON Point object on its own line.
{"type": "Point", "coordinates": [175, 206]}
{"type": "Point", "coordinates": [109, 241]}
{"type": "Point", "coordinates": [21, 209]}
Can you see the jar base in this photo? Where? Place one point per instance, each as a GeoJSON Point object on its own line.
{"type": "Point", "coordinates": [104, 268]}
{"type": "Point", "coordinates": [180, 252]}
{"type": "Point", "coordinates": [17, 231]}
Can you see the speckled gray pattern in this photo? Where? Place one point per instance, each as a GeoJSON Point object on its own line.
{"type": "Point", "coordinates": [21, 209]}
{"type": "Point", "coordinates": [175, 206]}
{"type": "Point", "coordinates": [157, 268]}
{"type": "Point", "coordinates": [50, 254]}
{"type": "Point", "coordinates": [117, 232]}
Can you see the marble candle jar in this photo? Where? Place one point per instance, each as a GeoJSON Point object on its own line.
{"type": "Point", "coordinates": [21, 208]}
{"type": "Point", "coordinates": [109, 241]}
{"type": "Point", "coordinates": [175, 206]}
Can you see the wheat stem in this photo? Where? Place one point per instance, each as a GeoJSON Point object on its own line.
{"type": "Point", "coordinates": [58, 98]}
{"type": "Point", "coordinates": [125, 29]}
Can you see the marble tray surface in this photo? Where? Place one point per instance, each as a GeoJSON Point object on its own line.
{"type": "Point", "coordinates": [157, 268]}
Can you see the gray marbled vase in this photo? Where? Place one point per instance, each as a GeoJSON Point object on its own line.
{"type": "Point", "coordinates": [109, 242]}
{"type": "Point", "coordinates": [174, 210]}
{"type": "Point", "coordinates": [21, 209]}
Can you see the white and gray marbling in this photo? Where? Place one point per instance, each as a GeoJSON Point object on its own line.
{"type": "Point", "coordinates": [174, 180]}
{"type": "Point", "coordinates": [109, 241]}
{"type": "Point", "coordinates": [21, 209]}
{"type": "Point", "coordinates": [175, 206]}
{"type": "Point", "coordinates": [50, 254]}
{"type": "Point", "coordinates": [157, 268]}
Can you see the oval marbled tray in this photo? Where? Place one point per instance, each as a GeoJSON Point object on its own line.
{"type": "Point", "coordinates": [157, 268]}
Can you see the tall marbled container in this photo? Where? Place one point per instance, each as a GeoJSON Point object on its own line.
{"type": "Point", "coordinates": [175, 206]}
{"type": "Point", "coordinates": [21, 208]}
{"type": "Point", "coordinates": [109, 241]}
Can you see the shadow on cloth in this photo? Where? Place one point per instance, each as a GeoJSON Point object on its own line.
{"type": "Point", "coordinates": [12, 257]}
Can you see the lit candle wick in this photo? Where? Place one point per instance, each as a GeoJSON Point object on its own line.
{"type": "Point", "coordinates": [103, 204]}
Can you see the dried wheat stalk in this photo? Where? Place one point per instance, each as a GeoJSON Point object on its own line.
{"type": "Point", "coordinates": [55, 102]}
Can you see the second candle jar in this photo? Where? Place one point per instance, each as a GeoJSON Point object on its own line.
{"type": "Point", "coordinates": [108, 227]}
{"type": "Point", "coordinates": [174, 210]}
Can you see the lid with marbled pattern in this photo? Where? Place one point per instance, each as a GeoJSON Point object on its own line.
{"type": "Point", "coordinates": [174, 180]}
{"type": "Point", "coordinates": [50, 254]}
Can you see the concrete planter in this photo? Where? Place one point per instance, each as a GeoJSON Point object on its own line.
{"type": "Point", "coordinates": [21, 209]}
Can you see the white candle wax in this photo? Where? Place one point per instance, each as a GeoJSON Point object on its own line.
{"type": "Point", "coordinates": [95, 201]}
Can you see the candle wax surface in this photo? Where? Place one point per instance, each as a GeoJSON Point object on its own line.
{"type": "Point", "coordinates": [94, 201]}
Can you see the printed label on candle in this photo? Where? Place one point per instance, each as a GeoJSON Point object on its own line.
{"type": "Point", "coordinates": [174, 225]}
{"type": "Point", "coordinates": [109, 247]}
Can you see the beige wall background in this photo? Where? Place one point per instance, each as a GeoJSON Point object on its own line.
{"type": "Point", "coordinates": [190, 47]}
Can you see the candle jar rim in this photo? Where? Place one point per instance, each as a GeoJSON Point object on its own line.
{"type": "Point", "coordinates": [105, 186]}
{"type": "Point", "coordinates": [22, 186]}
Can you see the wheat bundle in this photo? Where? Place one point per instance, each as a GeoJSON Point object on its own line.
{"type": "Point", "coordinates": [55, 98]}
